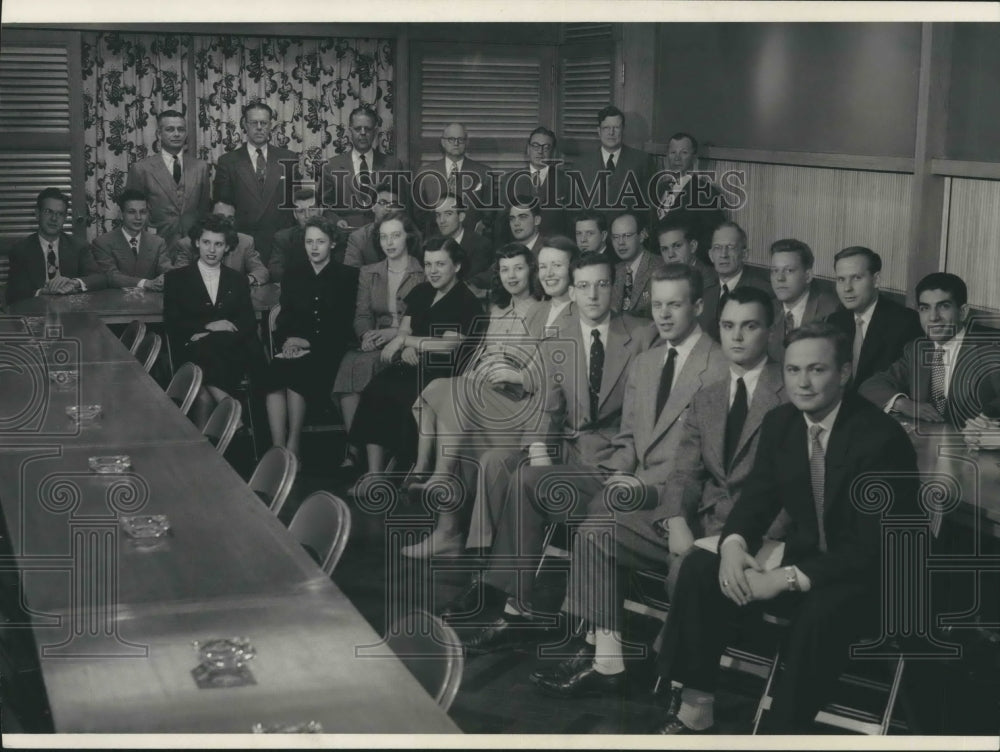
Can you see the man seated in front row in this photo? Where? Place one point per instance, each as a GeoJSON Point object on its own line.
{"type": "Point", "coordinates": [941, 379]}
{"type": "Point", "coordinates": [130, 256]}
{"type": "Point", "coordinates": [50, 262]}
{"type": "Point", "coordinates": [810, 457]}
{"type": "Point", "coordinates": [244, 258]}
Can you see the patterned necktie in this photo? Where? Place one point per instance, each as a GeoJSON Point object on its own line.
{"type": "Point", "coordinates": [817, 474]}
{"type": "Point", "coordinates": [596, 370]}
{"type": "Point", "coordinates": [789, 322]}
{"type": "Point", "coordinates": [734, 422]}
{"type": "Point", "coordinates": [723, 299]}
{"type": "Point", "coordinates": [859, 340]}
{"type": "Point", "coordinates": [177, 168]}
{"type": "Point", "coordinates": [134, 242]}
{"type": "Point", "coordinates": [611, 162]}
{"type": "Point", "coordinates": [627, 293]}
{"type": "Point", "coordinates": [52, 261]}
{"type": "Point", "coordinates": [452, 180]}
{"type": "Point", "coordinates": [261, 166]}
{"type": "Point", "coordinates": [364, 174]}
{"type": "Point", "coordinates": [938, 397]}
{"type": "Point", "coordinates": [666, 381]}
{"type": "Point", "coordinates": [536, 178]}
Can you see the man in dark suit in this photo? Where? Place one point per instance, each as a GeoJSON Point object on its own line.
{"type": "Point", "coordinates": [130, 256]}
{"type": "Point", "coordinates": [810, 457]}
{"type": "Point", "coordinates": [635, 267]}
{"type": "Point", "coordinates": [176, 184]}
{"type": "Point", "coordinates": [252, 179]}
{"type": "Point", "coordinates": [591, 231]}
{"type": "Point", "coordinates": [626, 171]}
{"type": "Point", "coordinates": [796, 302]}
{"type": "Point", "coordinates": [942, 378]}
{"type": "Point", "coordinates": [685, 361]}
{"type": "Point", "coordinates": [445, 175]}
{"type": "Point", "coordinates": [728, 255]}
{"type": "Point", "coordinates": [244, 258]}
{"type": "Point", "coordinates": [349, 179]}
{"type": "Point", "coordinates": [684, 190]}
{"type": "Point", "coordinates": [50, 262]}
{"type": "Point", "coordinates": [581, 416]}
{"type": "Point", "coordinates": [878, 328]}
{"type": "Point", "coordinates": [677, 240]}
{"type": "Point", "coordinates": [450, 223]}
{"type": "Point", "coordinates": [540, 179]}
{"type": "Point", "coordinates": [524, 222]}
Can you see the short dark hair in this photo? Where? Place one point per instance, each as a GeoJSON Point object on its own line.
{"type": "Point", "coordinates": [167, 114]}
{"type": "Point", "coordinates": [682, 135]}
{"type": "Point", "coordinates": [256, 106]}
{"type": "Point", "coordinates": [610, 111]}
{"type": "Point", "coordinates": [441, 243]}
{"type": "Point", "coordinates": [640, 221]}
{"type": "Point", "coordinates": [678, 220]}
{"type": "Point", "coordinates": [675, 272]}
{"type": "Point", "coordinates": [874, 260]}
{"type": "Point", "coordinates": [561, 243]}
{"type": "Point", "coordinates": [946, 282]}
{"type": "Point", "coordinates": [593, 258]}
{"type": "Point", "coordinates": [131, 194]}
{"type": "Point", "coordinates": [363, 110]}
{"type": "Point", "coordinates": [589, 215]}
{"type": "Point", "coordinates": [303, 194]}
{"type": "Point", "coordinates": [325, 226]}
{"type": "Point", "coordinates": [749, 294]}
{"type": "Point", "coordinates": [823, 330]}
{"type": "Point", "coordinates": [733, 225]}
{"type": "Point", "coordinates": [798, 247]}
{"type": "Point", "coordinates": [413, 236]}
{"type": "Point", "coordinates": [47, 193]}
{"type": "Point", "coordinates": [498, 293]}
{"type": "Point", "coordinates": [544, 131]}
{"type": "Point", "coordinates": [528, 202]}
{"type": "Point", "coordinates": [214, 223]}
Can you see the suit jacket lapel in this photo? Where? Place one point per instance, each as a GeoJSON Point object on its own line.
{"type": "Point", "coordinates": [246, 169]}
{"type": "Point", "coordinates": [686, 383]}
{"type": "Point", "coordinates": [192, 177]}
{"type": "Point", "coordinates": [166, 180]}
{"type": "Point", "coordinates": [873, 335]}
{"type": "Point", "coordinates": [582, 378]}
{"type": "Point", "coordinates": [765, 396]}
{"type": "Point", "coordinates": [715, 424]}
{"type": "Point", "coordinates": [615, 357]}
{"type": "Point", "coordinates": [639, 280]}
{"type": "Point", "coordinates": [274, 172]}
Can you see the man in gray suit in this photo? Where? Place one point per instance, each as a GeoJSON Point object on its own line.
{"type": "Point", "coordinates": [176, 184]}
{"type": "Point", "coordinates": [796, 302]}
{"type": "Point", "coordinates": [728, 254]}
{"type": "Point", "coordinates": [131, 256]}
{"type": "Point", "coordinates": [244, 258]}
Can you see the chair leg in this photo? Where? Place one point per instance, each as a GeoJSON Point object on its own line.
{"type": "Point", "coordinates": [890, 704]}
{"type": "Point", "coordinates": [765, 698]}
{"type": "Point", "coordinates": [550, 531]}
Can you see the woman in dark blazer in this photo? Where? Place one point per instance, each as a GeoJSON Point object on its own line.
{"type": "Point", "coordinates": [314, 330]}
{"type": "Point", "coordinates": [209, 317]}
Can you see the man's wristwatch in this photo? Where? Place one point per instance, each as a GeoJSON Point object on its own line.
{"type": "Point", "coordinates": [792, 579]}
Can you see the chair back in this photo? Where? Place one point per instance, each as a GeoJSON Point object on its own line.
{"type": "Point", "coordinates": [221, 424]}
{"type": "Point", "coordinates": [432, 652]}
{"type": "Point", "coordinates": [148, 350]}
{"type": "Point", "coordinates": [273, 477]}
{"type": "Point", "coordinates": [323, 524]}
{"type": "Point", "coordinates": [133, 335]}
{"type": "Point", "coordinates": [184, 386]}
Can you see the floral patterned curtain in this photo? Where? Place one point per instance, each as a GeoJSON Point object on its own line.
{"type": "Point", "coordinates": [127, 80]}
{"type": "Point", "coordinates": [312, 84]}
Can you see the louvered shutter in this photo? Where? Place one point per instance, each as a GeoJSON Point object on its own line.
{"type": "Point", "coordinates": [500, 94]}
{"type": "Point", "coordinates": [41, 134]}
{"type": "Point", "coordinates": [585, 86]}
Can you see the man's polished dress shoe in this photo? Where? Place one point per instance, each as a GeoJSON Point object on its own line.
{"type": "Point", "coordinates": [506, 633]}
{"type": "Point", "coordinates": [673, 725]}
{"type": "Point", "coordinates": [586, 682]}
{"type": "Point", "coordinates": [476, 599]}
{"type": "Point", "coordinates": [675, 700]}
{"type": "Point", "coordinates": [582, 655]}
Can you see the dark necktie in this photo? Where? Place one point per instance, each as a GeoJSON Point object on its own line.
{"type": "Point", "coordinates": [859, 341]}
{"type": "Point", "coordinates": [52, 261]}
{"type": "Point", "coordinates": [134, 242]}
{"type": "Point", "coordinates": [261, 166]}
{"type": "Point", "coordinates": [817, 474]}
{"type": "Point", "coordinates": [177, 168]}
{"type": "Point", "coordinates": [611, 162]}
{"type": "Point", "coordinates": [364, 174]}
{"type": "Point", "coordinates": [734, 422]}
{"type": "Point", "coordinates": [596, 370]}
{"type": "Point", "coordinates": [666, 381]}
{"type": "Point", "coordinates": [789, 322]}
{"type": "Point", "coordinates": [938, 398]}
{"type": "Point", "coordinates": [452, 178]}
{"type": "Point", "coordinates": [627, 293]}
{"type": "Point", "coordinates": [536, 178]}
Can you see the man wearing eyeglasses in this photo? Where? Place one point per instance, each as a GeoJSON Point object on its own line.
{"type": "Point", "coordinates": [349, 178]}
{"type": "Point", "coordinates": [635, 267]}
{"type": "Point", "coordinates": [50, 262]}
{"type": "Point", "coordinates": [445, 175]}
{"type": "Point", "coordinates": [728, 254]}
{"type": "Point", "coordinates": [363, 247]}
{"type": "Point", "coordinates": [626, 170]}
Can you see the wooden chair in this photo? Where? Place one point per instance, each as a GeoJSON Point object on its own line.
{"type": "Point", "coordinates": [133, 335]}
{"type": "Point", "coordinates": [148, 350]}
{"type": "Point", "coordinates": [322, 524]}
{"type": "Point", "coordinates": [222, 424]}
{"type": "Point", "coordinates": [432, 652]}
{"type": "Point", "coordinates": [273, 477]}
{"type": "Point", "coordinates": [184, 386]}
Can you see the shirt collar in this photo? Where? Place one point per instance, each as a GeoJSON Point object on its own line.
{"type": "Point", "coordinates": [952, 345]}
{"type": "Point", "coordinates": [602, 328]}
{"type": "Point", "coordinates": [636, 262]}
{"type": "Point", "coordinates": [732, 283]}
{"type": "Point", "coordinates": [750, 378]}
{"type": "Point", "coordinates": [827, 422]}
{"type": "Point", "coordinates": [128, 237]}
{"type": "Point", "coordinates": [252, 151]}
{"type": "Point", "coordinates": [686, 346]}
{"type": "Point", "coordinates": [798, 310]}
{"type": "Point", "coordinates": [45, 243]}
{"type": "Point", "coordinates": [457, 237]}
{"type": "Point", "coordinates": [543, 171]}
{"type": "Point", "coordinates": [168, 158]}
{"type": "Point", "coordinates": [866, 315]}
{"type": "Point", "coordinates": [605, 154]}
{"type": "Point", "coordinates": [368, 155]}
{"type": "Point", "coordinates": [448, 162]}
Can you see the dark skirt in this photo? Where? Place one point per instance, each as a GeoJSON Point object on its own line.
{"type": "Point", "coordinates": [385, 415]}
{"type": "Point", "coordinates": [224, 358]}
{"type": "Point", "coordinates": [312, 375]}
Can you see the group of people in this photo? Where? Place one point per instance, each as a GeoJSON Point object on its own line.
{"type": "Point", "coordinates": [620, 368]}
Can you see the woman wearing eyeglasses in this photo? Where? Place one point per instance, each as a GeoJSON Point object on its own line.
{"type": "Point", "coordinates": [379, 309]}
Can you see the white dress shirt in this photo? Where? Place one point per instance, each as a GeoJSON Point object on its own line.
{"type": "Point", "coordinates": [168, 160]}
{"type": "Point", "coordinates": [605, 154]}
{"type": "Point", "coordinates": [252, 151]}
{"type": "Point", "coordinates": [683, 349]}
{"type": "Point", "coordinates": [750, 379]}
{"type": "Point", "coordinates": [730, 283]}
{"type": "Point", "coordinates": [798, 310]}
{"type": "Point", "coordinates": [369, 160]}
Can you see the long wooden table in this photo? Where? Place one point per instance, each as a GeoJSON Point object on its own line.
{"type": "Point", "coordinates": [114, 620]}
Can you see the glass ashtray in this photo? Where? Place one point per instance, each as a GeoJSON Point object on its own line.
{"type": "Point", "coordinates": [145, 526]}
{"type": "Point", "coordinates": [83, 413]}
{"type": "Point", "coordinates": [114, 463]}
{"type": "Point", "coordinates": [225, 653]}
{"type": "Point", "coordinates": [64, 377]}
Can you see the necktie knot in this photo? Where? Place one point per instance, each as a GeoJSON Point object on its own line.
{"type": "Point", "coordinates": [134, 242]}
{"type": "Point", "coordinates": [859, 320]}
{"type": "Point", "coordinates": [725, 289]}
{"type": "Point", "coordinates": [815, 431]}
{"type": "Point", "coordinates": [789, 321]}
{"type": "Point", "coordinates": [611, 162]}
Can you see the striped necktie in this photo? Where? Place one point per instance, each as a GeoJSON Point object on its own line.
{"type": "Point", "coordinates": [261, 170]}
{"type": "Point", "coordinates": [817, 474]}
{"type": "Point", "coordinates": [938, 397]}
{"type": "Point", "coordinates": [859, 340]}
{"type": "Point", "coordinates": [134, 242]}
